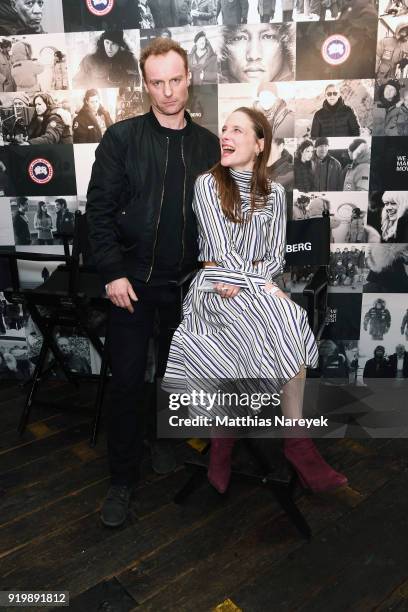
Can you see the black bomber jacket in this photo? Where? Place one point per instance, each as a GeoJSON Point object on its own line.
{"type": "Point", "coordinates": [125, 195]}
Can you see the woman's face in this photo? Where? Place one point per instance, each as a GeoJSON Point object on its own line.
{"type": "Point", "coordinates": [44, 207]}
{"type": "Point", "coordinates": [307, 154]}
{"type": "Point", "coordinates": [239, 144]}
{"type": "Point", "coordinates": [389, 92]}
{"type": "Point", "coordinates": [391, 208]}
{"type": "Point", "coordinates": [255, 53]}
{"type": "Point", "coordinates": [40, 106]}
{"type": "Point", "coordinates": [267, 99]}
{"type": "Point", "coordinates": [111, 48]}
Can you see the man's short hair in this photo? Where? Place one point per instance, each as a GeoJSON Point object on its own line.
{"type": "Point", "coordinates": [161, 46]}
{"type": "Point", "coordinates": [61, 201]}
{"type": "Point", "coordinates": [329, 86]}
{"type": "Point", "coordinates": [22, 201]}
{"type": "Point", "coordinates": [90, 93]}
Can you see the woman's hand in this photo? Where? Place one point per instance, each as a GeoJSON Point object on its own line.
{"type": "Point", "coordinates": [279, 294]}
{"type": "Point", "coordinates": [225, 290]}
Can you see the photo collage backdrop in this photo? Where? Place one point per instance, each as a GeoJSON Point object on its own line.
{"type": "Point", "coordinates": [331, 76]}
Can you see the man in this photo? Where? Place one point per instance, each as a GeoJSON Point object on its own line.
{"type": "Point", "coordinates": [391, 50]}
{"type": "Point", "coordinates": [357, 173]}
{"type": "Point", "coordinates": [65, 219]}
{"type": "Point", "coordinates": [20, 223]}
{"type": "Point", "coordinates": [6, 80]}
{"type": "Point", "coordinates": [399, 362]}
{"type": "Point", "coordinates": [183, 12]}
{"type": "Point", "coordinates": [144, 239]}
{"type": "Point", "coordinates": [280, 164]}
{"type": "Point", "coordinates": [233, 12]}
{"type": "Point", "coordinates": [327, 169]}
{"type": "Point", "coordinates": [378, 366]}
{"type": "Point", "coordinates": [21, 17]}
{"type": "Point", "coordinates": [202, 61]}
{"type": "Point", "coordinates": [204, 12]}
{"type": "Point", "coordinates": [377, 320]}
{"type": "Point", "coordinates": [334, 118]}
{"type": "Point", "coordinates": [164, 13]}
{"type": "Point", "coordinates": [92, 119]}
{"type": "Point", "coordinates": [266, 10]}
{"type": "Point", "coordinates": [74, 363]}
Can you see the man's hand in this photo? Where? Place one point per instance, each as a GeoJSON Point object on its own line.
{"type": "Point", "coordinates": [225, 290]}
{"type": "Point", "coordinates": [120, 292]}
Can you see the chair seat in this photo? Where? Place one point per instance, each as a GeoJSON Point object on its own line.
{"type": "Point", "coordinates": [89, 283]}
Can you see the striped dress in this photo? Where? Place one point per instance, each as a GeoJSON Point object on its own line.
{"type": "Point", "coordinates": [255, 335]}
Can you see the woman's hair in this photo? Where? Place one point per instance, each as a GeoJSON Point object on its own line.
{"type": "Point", "coordinates": [389, 226]}
{"type": "Point", "coordinates": [303, 145]}
{"type": "Point", "coordinates": [40, 211]}
{"type": "Point", "coordinates": [260, 184]}
{"type": "Point", "coordinates": [46, 98]}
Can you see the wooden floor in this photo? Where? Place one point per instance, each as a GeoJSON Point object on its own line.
{"type": "Point", "coordinates": [224, 553]}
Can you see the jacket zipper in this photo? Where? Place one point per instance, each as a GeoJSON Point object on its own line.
{"type": "Point", "coordinates": [161, 204]}
{"type": "Point", "coordinates": [184, 204]}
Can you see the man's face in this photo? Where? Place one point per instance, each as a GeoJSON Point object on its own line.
{"type": "Point", "coordinates": [167, 81]}
{"type": "Point", "coordinates": [400, 350]}
{"type": "Point", "coordinates": [58, 206]}
{"type": "Point", "coordinates": [23, 207]}
{"type": "Point", "coordinates": [322, 150]}
{"type": "Point", "coordinates": [379, 353]}
{"type": "Point", "coordinates": [93, 103]}
{"type": "Point", "coordinates": [111, 48]}
{"type": "Point", "coordinates": [255, 53]}
{"type": "Point", "coordinates": [332, 95]}
{"type": "Point", "coordinates": [30, 12]}
{"type": "Point", "coordinates": [63, 345]}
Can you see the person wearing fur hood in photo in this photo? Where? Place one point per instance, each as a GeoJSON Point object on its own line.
{"type": "Point", "coordinates": [386, 110]}
{"type": "Point", "coordinates": [24, 69]}
{"type": "Point", "coordinates": [357, 173]}
{"type": "Point", "coordinates": [388, 267]}
{"type": "Point", "coordinates": [394, 216]}
{"type": "Point", "coordinates": [280, 117]}
{"type": "Point", "coordinates": [202, 61]}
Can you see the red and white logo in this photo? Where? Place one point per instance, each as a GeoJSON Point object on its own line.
{"type": "Point", "coordinates": [100, 7]}
{"type": "Point", "coordinates": [336, 49]}
{"type": "Point", "coordinates": [40, 171]}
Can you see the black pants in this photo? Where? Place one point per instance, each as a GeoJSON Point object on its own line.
{"type": "Point", "coordinates": [129, 335]}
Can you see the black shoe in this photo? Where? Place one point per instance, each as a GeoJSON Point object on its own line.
{"type": "Point", "coordinates": [163, 457]}
{"type": "Point", "coordinates": [116, 505]}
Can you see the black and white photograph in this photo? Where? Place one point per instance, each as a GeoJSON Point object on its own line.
{"type": "Point", "coordinates": [12, 319]}
{"type": "Point", "coordinates": [338, 361]}
{"type": "Point", "coordinates": [275, 100]}
{"type": "Point", "coordinates": [30, 17]}
{"type": "Point", "coordinates": [32, 274]}
{"type": "Point", "coordinates": [97, 15]}
{"type": "Point", "coordinates": [390, 114]}
{"type": "Point", "coordinates": [334, 108]}
{"type": "Point", "coordinates": [393, 8]}
{"type": "Point", "coordinates": [332, 164]}
{"type": "Point", "coordinates": [383, 342]}
{"type": "Point", "coordinates": [343, 316]}
{"type": "Point", "coordinates": [201, 45]}
{"type": "Point", "coordinates": [342, 49]}
{"type": "Point", "coordinates": [103, 59]}
{"type": "Point", "coordinates": [388, 215]}
{"type": "Point", "coordinates": [15, 363]}
{"type": "Point", "coordinates": [328, 10]}
{"type": "Point", "coordinates": [348, 217]}
{"type": "Point", "coordinates": [389, 163]}
{"type": "Point", "coordinates": [392, 49]}
{"type": "Point", "coordinates": [43, 221]}
{"type": "Point", "coordinates": [42, 170]}
{"type": "Point", "coordinates": [33, 63]}
{"type": "Point", "coordinates": [257, 53]}
{"type": "Point", "coordinates": [35, 118]}
{"type": "Point", "coordinates": [6, 179]}
{"type": "Point", "coordinates": [94, 110]}
{"type": "Point", "coordinates": [6, 223]}
{"type": "Point", "coordinates": [129, 103]}
{"type": "Point", "coordinates": [75, 352]}
{"type": "Point", "coordinates": [347, 268]}
{"type": "Point", "coordinates": [202, 105]}
{"type": "Point", "coordinates": [298, 277]}
{"type": "Point", "coordinates": [387, 268]}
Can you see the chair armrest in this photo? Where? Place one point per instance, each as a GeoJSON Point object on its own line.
{"type": "Point", "coordinates": [30, 256]}
{"type": "Point", "coordinates": [183, 279]}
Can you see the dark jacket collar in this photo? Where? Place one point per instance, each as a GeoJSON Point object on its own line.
{"type": "Point", "coordinates": [163, 130]}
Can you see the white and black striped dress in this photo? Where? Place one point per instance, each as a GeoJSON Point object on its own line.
{"type": "Point", "coordinates": [254, 335]}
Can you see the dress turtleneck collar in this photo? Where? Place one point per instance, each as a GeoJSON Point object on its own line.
{"type": "Point", "coordinates": [241, 175]}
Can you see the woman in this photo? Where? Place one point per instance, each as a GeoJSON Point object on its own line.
{"type": "Point", "coordinates": [43, 224]}
{"type": "Point", "coordinates": [112, 65]}
{"type": "Point", "coordinates": [236, 320]}
{"type": "Point", "coordinates": [47, 125]}
{"type": "Point", "coordinates": [303, 166]}
{"type": "Point", "coordinates": [24, 69]}
{"type": "Point", "coordinates": [394, 216]}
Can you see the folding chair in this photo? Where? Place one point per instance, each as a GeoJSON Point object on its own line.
{"type": "Point", "coordinates": [67, 298]}
{"type": "Point", "coordinates": [308, 243]}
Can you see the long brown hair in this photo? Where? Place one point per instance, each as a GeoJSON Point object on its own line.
{"type": "Point", "coordinates": [260, 185]}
